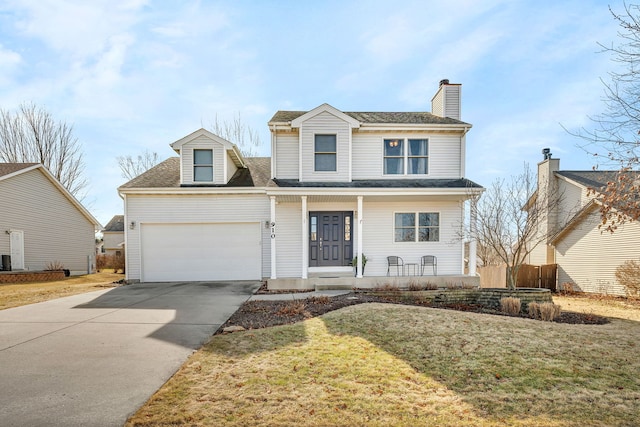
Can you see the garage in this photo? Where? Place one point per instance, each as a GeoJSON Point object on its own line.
{"type": "Point", "coordinates": [201, 252]}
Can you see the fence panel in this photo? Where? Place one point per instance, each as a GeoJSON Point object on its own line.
{"type": "Point", "coordinates": [493, 276]}
{"type": "Point", "coordinates": [528, 276]}
{"type": "Point", "coordinates": [548, 276]}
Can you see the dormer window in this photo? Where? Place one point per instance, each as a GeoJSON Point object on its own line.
{"type": "Point", "coordinates": [406, 156]}
{"type": "Point", "coordinates": [325, 153]}
{"type": "Point", "coordinates": [203, 165]}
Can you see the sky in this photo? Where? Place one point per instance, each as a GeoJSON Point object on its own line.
{"type": "Point", "coordinates": [136, 75]}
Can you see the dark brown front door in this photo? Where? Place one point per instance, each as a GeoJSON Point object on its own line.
{"type": "Point", "coordinates": [330, 239]}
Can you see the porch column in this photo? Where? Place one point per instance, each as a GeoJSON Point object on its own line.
{"type": "Point", "coordinates": [472, 242]}
{"type": "Point", "coordinates": [359, 253]}
{"type": "Point", "coordinates": [305, 236]}
{"type": "Point", "coordinates": [272, 226]}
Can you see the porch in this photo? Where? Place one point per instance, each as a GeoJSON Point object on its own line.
{"type": "Point", "coordinates": [343, 281]}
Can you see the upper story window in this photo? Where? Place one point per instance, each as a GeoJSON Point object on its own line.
{"type": "Point", "coordinates": [417, 227]}
{"type": "Point", "coordinates": [406, 156]}
{"type": "Point", "coordinates": [203, 165]}
{"type": "Point", "coordinates": [325, 154]}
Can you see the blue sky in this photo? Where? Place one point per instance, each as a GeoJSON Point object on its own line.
{"type": "Point", "coordinates": [133, 75]}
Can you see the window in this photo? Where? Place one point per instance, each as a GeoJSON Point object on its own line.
{"type": "Point", "coordinates": [203, 165]}
{"type": "Point", "coordinates": [325, 153]}
{"type": "Point", "coordinates": [417, 227]}
{"type": "Point", "coordinates": [413, 160]}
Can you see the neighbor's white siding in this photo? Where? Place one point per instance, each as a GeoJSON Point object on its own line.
{"type": "Point", "coordinates": [588, 257]}
{"type": "Point", "coordinates": [193, 209]}
{"type": "Point", "coordinates": [444, 155]}
{"type": "Point", "coordinates": [286, 155]}
{"type": "Point", "coordinates": [111, 241]}
{"type": "Point", "coordinates": [325, 124]}
{"type": "Point", "coordinates": [54, 229]}
{"type": "Point", "coordinates": [202, 142]}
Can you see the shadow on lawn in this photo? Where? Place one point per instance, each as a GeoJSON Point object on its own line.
{"type": "Point", "coordinates": [510, 368]}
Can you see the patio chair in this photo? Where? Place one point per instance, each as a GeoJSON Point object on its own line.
{"type": "Point", "coordinates": [397, 262]}
{"type": "Point", "coordinates": [429, 260]}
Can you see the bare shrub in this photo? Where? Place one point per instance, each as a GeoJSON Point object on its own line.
{"type": "Point", "coordinates": [102, 262]}
{"type": "Point", "coordinates": [546, 311]}
{"type": "Point", "coordinates": [292, 308]}
{"type": "Point", "coordinates": [118, 263]}
{"type": "Point", "coordinates": [416, 285]}
{"type": "Point", "coordinates": [54, 265]}
{"type": "Point", "coordinates": [628, 274]}
{"type": "Point", "coordinates": [388, 287]}
{"type": "Point", "coordinates": [114, 262]}
{"type": "Point", "coordinates": [510, 305]}
{"type": "Point", "coordinates": [567, 288]}
{"type": "Point", "coordinates": [320, 300]}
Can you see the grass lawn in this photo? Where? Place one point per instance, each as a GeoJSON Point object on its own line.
{"type": "Point", "coordinates": [29, 293]}
{"type": "Point", "coordinates": [396, 365]}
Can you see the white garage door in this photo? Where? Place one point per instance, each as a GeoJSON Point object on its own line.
{"type": "Point", "coordinates": [179, 252]}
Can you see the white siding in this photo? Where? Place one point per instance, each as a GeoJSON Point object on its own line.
{"type": "Point", "coordinates": [186, 155]}
{"type": "Point", "coordinates": [444, 155]}
{"type": "Point", "coordinates": [378, 235]}
{"type": "Point", "coordinates": [54, 229]}
{"type": "Point", "coordinates": [325, 123]}
{"type": "Point", "coordinates": [111, 240]}
{"type": "Point", "coordinates": [452, 98]}
{"type": "Point", "coordinates": [588, 257]}
{"type": "Point", "coordinates": [286, 155]}
{"type": "Point", "coordinates": [231, 168]}
{"type": "Point", "coordinates": [193, 209]}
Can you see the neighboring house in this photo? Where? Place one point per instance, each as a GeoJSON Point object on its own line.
{"type": "Point", "coordinates": [587, 255]}
{"type": "Point", "coordinates": [42, 223]}
{"type": "Point", "coordinates": [113, 236]}
{"type": "Point", "coordinates": [338, 184]}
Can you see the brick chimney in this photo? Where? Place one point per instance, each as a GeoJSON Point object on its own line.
{"type": "Point", "coordinates": [447, 100]}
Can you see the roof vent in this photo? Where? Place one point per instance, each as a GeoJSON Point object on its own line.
{"type": "Point", "coordinates": [546, 152]}
{"type": "Point", "coordinates": [444, 82]}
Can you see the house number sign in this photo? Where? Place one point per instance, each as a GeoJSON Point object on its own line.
{"type": "Point", "coordinates": [273, 230]}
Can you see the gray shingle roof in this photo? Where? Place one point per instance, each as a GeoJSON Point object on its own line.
{"type": "Point", "coordinates": [592, 179]}
{"type": "Point", "coordinates": [167, 175]}
{"type": "Point", "coordinates": [116, 224]}
{"type": "Point", "coordinates": [383, 183]}
{"type": "Point", "coordinates": [377, 117]}
{"type": "Point", "coordinates": [9, 168]}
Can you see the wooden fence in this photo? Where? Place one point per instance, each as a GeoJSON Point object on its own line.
{"type": "Point", "coordinates": [529, 276]}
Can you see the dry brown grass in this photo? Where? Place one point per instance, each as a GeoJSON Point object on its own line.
{"type": "Point", "coordinates": [510, 305]}
{"type": "Point", "coordinates": [29, 293]}
{"type": "Point", "coordinates": [391, 365]}
{"type": "Point", "coordinates": [620, 308]}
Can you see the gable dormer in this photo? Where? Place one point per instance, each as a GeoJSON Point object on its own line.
{"type": "Point", "coordinates": [207, 159]}
{"type": "Point", "coordinates": [325, 138]}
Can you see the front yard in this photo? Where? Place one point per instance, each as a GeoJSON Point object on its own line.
{"type": "Point", "coordinates": [15, 295]}
{"type": "Point", "coordinates": [395, 365]}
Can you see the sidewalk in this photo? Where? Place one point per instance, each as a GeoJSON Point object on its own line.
{"type": "Point", "coordinates": [297, 295]}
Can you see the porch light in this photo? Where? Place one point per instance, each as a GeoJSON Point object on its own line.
{"type": "Point", "coordinates": [393, 143]}
{"type": "Point", "coordinates": [132, 225]}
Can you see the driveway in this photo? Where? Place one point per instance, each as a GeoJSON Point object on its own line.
{"type": "Point", "coordinates": [93, 359]}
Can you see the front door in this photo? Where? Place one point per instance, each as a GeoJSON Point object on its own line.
{"type": "Point", "coordinates": [330, 239]}
{"type": "Point", "coordinates": [16, 240]}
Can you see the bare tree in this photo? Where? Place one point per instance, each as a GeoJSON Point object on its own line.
{"type": "Point", "coordinates": [31, 134]}
{"type": "Point", "coordinates": [238, 132]}
{"type": "Point", "coordinates": [514, 217]}
{"type": "Point", "coordinates": [614, 137]}
{"type": "Point", "coordinates": [131, 167]}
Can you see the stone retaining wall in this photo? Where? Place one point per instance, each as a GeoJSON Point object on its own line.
{"type": "Point", "coordinates": [7, 277]}
{"type": "Point", "coordinates": [489, 298]}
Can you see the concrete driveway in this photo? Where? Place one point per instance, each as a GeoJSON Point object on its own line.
{"type": "Point", "coordinates": [93, 359]}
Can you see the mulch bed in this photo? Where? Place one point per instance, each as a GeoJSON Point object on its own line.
{"type": "Point", "coordinates": [263, 314]}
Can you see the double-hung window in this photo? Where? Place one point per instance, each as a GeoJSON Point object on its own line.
{"type": "Point", "coordinates": [417, 227]}
{"type": "Point", "coordinates": [325, 154]}
{"type": "Point", "coordinates": [203, 165]}
{"type": "Point", "coordinates": [406, 156]}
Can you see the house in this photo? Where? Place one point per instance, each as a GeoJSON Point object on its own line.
{"type": "Point", "coordinates": [113, 236]}
{"type": "Point", "coordinates": [587, 256]}
{"type": "Point", "coordinates": [338, 184]}
{"type": "Point", "coordinates": [41, 223]}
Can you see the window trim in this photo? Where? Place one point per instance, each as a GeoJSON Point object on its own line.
{"type": "Point", "coordinates": [195, 166]}
{"type": "Point", "coordinates": [416, 226]}
{"type": "Point", "coordinates": [335, 153]}
{"type": "Point", "coordinates": [405, 156]}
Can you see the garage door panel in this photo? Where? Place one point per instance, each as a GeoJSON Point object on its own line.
{"type": "Point", "coordinates": [177, 252]}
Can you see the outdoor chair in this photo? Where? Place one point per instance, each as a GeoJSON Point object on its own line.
{"type": "Point", "coordinates": [397, 262]}
{"type": "Point", "coordinates": [429, 260]}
